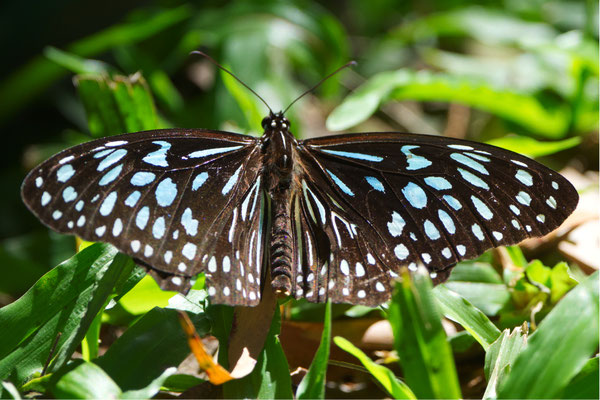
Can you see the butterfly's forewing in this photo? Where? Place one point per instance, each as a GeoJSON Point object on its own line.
{"type": "Point", "coordinates": [427, 200]}
{"type": "Point", "coordinates": [164, 197]}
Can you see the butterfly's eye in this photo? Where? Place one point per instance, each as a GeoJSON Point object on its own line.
{"type": "Point", "coordinates": [286, 122]}
{"type": "Point", "coordinates": [265, 122]}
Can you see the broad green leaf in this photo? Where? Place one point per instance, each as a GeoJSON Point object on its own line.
{"type": "Point", "coordinates": [116, 105]}
{"type": "Point", "coordinates": [475, 271]}
{"type": "Point", "coordinates": [151, 388]}
{"type": "Point", "coordinates": [585, 384]}
{"type": "Point", "coordinates": [144, 296]}
{"type": "Point", "coordinates": [181, 382]}
{"type": "Point", "coordinates": [487, 25]}
{"type": "Point", "coordinates": [33, 78]}
{"type": "Point", "coordinates": [459, 309]}
{"type": "Point", "coordinates": [90, 342]}
{"type": "Point", "coordinates": [419, 338]}
{"type": "Point", "coordinates": [65, 300]}
{"type": "Point", "coordinates": [490, 298]}
{"type": "Point", "coordinates": [534, 148]}
{"type": "Point", "coordinates": [559, 348]}
{"type": "Point", "coordinates": [500, 357]}
{"type": "Point", "coordinates": [519, 107]}
{"type": "Point", "coordinates": [312, 385]}
{"type": "Point", "coordinates": [155, 342]}
{"type": "Point", "coordinates": [84, 380]}
{"type": "Point", "coordinates": [561, 281]}
{"type": "Point", "coordinates": [394, 386]}
{"type": "Point", "coordinates": [270, 378]}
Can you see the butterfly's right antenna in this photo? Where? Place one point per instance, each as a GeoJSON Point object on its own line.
{"type": "Point", "coordinates": [350, 64]}
{"type": "Point", "coordinates": [212, 60]}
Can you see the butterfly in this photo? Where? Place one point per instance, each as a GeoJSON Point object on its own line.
{"type": "Point", "coordinates": [326, 218]}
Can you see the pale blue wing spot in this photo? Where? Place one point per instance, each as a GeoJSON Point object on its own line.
{"type": "Point", "coordinates": [415, 195]}
{"type": "Point", "coordinates": [554, 185]}
{"type": "Point", "coordinates": [103, 153]}
{"type": "Point", "coordinates": [551, 201]}
{"type": "Point", "coordinates": [69, 194]}
{"type": "Point", "coordinates": [515, 223]}
{"type": "Point", "coordinates": [132, 199]}
{"type": "Point", "coordinates": [523, 198]}
{"type": "Point", "coordinates": [446, 252]}
{"type": "Point", "coordinates": [141, 219]}
{"type": "Point", "coordinates": [447, 221]}
{"type": "Point", "coordinates": [473, 179]}
{"type": "Point", "coordinates": [340, 184]}
{"type": "Point", "coordinates": [39, 181]}
{"type": "Point", "coordinates": [524, 177]}
{"type": "Point", "coordinates": [111, 175]}
{"type": "Point", "coordinates": [438, 183]}
{"type": "Point", "coordinates": [166, 192]}
{"type": "Point", "coordinates": [117, 227]}
{"type": "Point", "coordinates": [142, 178]}
{"type": "Point", "coordinates": [541, 218]}
{"type": "Point", "coordinates": [460, 147]}
{"type": "Point", "coordinates": [522, 164]}
{"type": "Point", "coordinates": [430, 230]}
{"type": "Point", "coordinates": [482, 208]}
{"type": "Point", "coordinates": [452, 202]}
{"type": "Point", "coordinates": [158, 157]}
{"type": "Point", "coordinates": [108, 203]}
{"type": "Point", "coordinates": [57, 214]}
{"type": "Point", "coordinates": [189, 223]}
{"type": "Point", "coordinates": [199, 180]}
{"type": "Point", "coordinates": [231, 182]}
{"type": "Point", "coordinates": [477, 157]}
{"type": "Point", "coordinates": [375, 183]}
{"type": "Point", "coordinates": [189, 251]}
{"type": "Point", "coordinates": [212, 152]}
{"type": "Point", "coordinates": [158, 228]}
{"type": "Point", "coordinates": [514, 209]}
{"type": "Point", "coordinates": [415, 162]}
{"type": "Point", "coordinates": [476, 229]}
{"type": "Point", "coordinates": [462, 250]}
{"type": "Point", "coordinates": [79, 205]}
{"type": "Point", "coordinates": [397, 225]}
{"type": "Point", "coordinates": [356, 156]}
{"type": "Point", "coordinates": [112, 158]}
{"type": "Point", "coordinates": [46, 197]}
{"type": "Point", "coordinates": [469, 162]}
{"type": "Point", "coordinates": [497, 235]}
{"type": "Point", "coordinates": [65, 173]}
{"type": "Point", "coordinates": [116, 143]}
{"type": "Point", "coordinates": [401, 252]}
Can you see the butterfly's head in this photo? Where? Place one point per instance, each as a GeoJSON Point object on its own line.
{"type": "Point", "coordinates": [275, 121]}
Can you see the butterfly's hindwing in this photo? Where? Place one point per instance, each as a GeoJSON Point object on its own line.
{"type": "Point", "coordinates": [160, 196]}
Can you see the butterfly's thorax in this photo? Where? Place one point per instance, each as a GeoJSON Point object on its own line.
{"type": "Point", "coordinates": [279, 148]}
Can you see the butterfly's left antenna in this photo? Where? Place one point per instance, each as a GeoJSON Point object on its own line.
{"type": "Point", "coordinates": [212, 60]}
{"type": "Point", "coordinates": [349, 64]}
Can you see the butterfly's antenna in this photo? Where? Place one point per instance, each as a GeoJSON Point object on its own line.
{"type": "Point", "coordinates": [212, 60]}
{"type": "Point", "coordinates": [350, 64]}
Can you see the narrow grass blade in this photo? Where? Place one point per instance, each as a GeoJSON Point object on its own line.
{"type": "Point", "coordinates": [469, 317]}
{"type": "Point", "coordinates": [500, 357]}
{"type": "Point", "coordinates": [312, 385]}
{"type": "Point", "coordinates": [420, 340]}
{"type": "Point", "coordinates": [394, 386]}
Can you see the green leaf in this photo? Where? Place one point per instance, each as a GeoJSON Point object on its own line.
{"type": "Point", "coordinates": [250, 105]}
{"type": "Point", "coordinates": [518, 107]}
{"type": "Point", "coordinates": [85, 380]}
{"type": "Point", "coordinates": [270, 378]}
{"type": "Point", "coordinates": [500, 356]}
{"type": "Point", "coordinates": [561, 281]}
{"type": "Point", "coordinates": [152, 388]}
{"type": "Point", "coordinates": [144, 296]}
{"type": "Point", "coordinates": [559, 348]}
{"type": "Point", "coordinates": [459, 309]}
{"type": "Point", "coordinates": [181, 382]}
{"type": "Point", "coordinates": [394, 386]}
{"type": "Point", "coordinates": [312, 385]}
{"type": "Point", "coordinates": [65, 300]}
{"type": "Point", "coordinates": [420, 340]}
{"type": "Point", "coordinates": [33, 78]}
{"type": "Point", "coordinates": [490, 298]}
{"type": "Point", "coordinates": [155, 342]}
{"type": "Point", "coordinates": [585, 384]}
{"type": "Point", "coordinates": [76, 64]}
{"type": "Point", "coordinates": [534, 148]}
{"type": "Point", "coordinates": [116, 105]}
